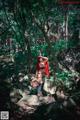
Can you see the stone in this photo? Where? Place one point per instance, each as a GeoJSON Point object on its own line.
{"type": "Point", "coordinates": [31, 100]}
{"type": "Point", "coordinates": [48, 88]}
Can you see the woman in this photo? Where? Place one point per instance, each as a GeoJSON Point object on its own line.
{"type": "Point", "coordinates": [43, 66]}
{"type": "Point", "coordinates": [42, 70]}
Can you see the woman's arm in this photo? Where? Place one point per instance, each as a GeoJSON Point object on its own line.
{"type": "Point", "coordinates": [45, 58]}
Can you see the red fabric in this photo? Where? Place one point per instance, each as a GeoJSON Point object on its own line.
{"type": "Point", "coordinates": [46, 68]}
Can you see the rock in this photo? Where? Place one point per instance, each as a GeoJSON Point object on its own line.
{"type": "Point", "coordinates": [29, 103]}
{"type": "Point", "coordinates": [48, 88]}
{"type": "Point", "coordinates": [60, 94]}
{"type": "Point", "coordinates": [15, 95]}
{"type": "Point", "coordinates": [14, 92]}
{"type": "Point", "coordinates": [24, 92]}
{"type": "Point", "coordinates": [31, 100]}
{"type": "Point", "coordinates": [69, 103]}
{"type": "Point", "coordinates": [48, 99]}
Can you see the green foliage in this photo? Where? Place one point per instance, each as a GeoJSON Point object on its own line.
{"type": "Point", "coordinates": [60, 45]}
{"type": "Point", "coordinates": [31, 17]}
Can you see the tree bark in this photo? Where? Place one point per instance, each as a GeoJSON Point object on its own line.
{"type": "Point", "coordinates": [66, 23]}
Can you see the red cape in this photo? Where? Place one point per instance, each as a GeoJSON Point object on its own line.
{"type": "Point", "coordinates": [46, 69]}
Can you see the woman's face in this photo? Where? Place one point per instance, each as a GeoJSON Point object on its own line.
{"type": "Point", "coordinates": [41, 60]}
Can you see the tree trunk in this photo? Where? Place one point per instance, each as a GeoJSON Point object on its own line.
{"type": "Point", "coordinates": [66, 26]}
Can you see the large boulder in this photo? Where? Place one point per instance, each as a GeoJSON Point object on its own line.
{"type": "Point", "coordinates": [31, 100]}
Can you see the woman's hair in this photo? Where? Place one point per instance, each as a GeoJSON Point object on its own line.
{"type": "Point", "coordinates": [39, 57]}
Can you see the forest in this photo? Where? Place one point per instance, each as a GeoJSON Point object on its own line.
{"type": "Point", "coordinates": [46, 28]}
